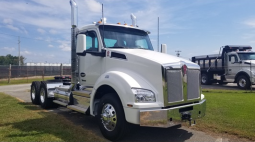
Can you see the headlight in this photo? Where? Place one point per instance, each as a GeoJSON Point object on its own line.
{"type": "Point", "coordinates": [143, 96]}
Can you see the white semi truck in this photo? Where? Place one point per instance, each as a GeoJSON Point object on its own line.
{"type": "Point", "coordinates": [118, 78]}
{"type": "Point", "coordinates": [235, 64]}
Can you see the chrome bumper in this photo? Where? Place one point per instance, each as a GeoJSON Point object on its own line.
{"type": "Point", "coordinates": [172, 116]}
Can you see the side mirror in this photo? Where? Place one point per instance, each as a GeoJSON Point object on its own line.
{"type": "Point", "coordinates": [163, 48]}
{"type": "Point", "coordinates": [81, 44]}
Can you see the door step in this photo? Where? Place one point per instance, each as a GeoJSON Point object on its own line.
{"type": "Point", "coordinates": [60, 103]}
{"type": "Point", "coordinates": [77, 108]}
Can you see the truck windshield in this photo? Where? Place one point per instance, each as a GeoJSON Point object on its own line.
{"type": "Point", "coordinates": [122, 37]}
{"type": "Point", "coordinates": [247, 56]}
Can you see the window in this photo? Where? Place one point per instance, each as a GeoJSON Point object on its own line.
{"type": "Point", "coordinates": [91, 41]}
{"type": "Point", "coordinates": [231, 56]}
{"type": "Point", "coordinates": [247, 56]}
{"type": "Point", "coordinates": [142, 43]}
{"type": "Point", "coordinates": [123, 37]}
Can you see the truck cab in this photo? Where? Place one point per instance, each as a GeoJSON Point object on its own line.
{"type": "Point", "coordinates": [118, 78]}
{"type": "Point", "coordinates": [234, 65]}
{"type": "Point", "coordinates": [240, 68]}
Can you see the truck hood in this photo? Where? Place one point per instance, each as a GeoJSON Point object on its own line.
{"type": "Point", "coordinates": [161, 58]}
{"type": "Point", "coordinates": [249, 62]}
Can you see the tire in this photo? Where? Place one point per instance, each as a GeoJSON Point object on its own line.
{"type": "Point", "coordinates": [45, 102]}
{"type": "Point", "coordinates": [243, 82]}
{"type": "Point", "coordinates": [35, 92]}
{"type": "Point", "coordinates": [205, 79]}
{"type": "Point", "coordinates": [111, 110]}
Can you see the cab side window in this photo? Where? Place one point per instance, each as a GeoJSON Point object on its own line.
{"type": "Point", "coordinates": [231, 56]}
{"type": "Point", "coordinates": [91, 41]}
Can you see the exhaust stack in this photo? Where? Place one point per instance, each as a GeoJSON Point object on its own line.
{"type": "Point", "coordinates": [73, 41]}
{"type": "Point", "coordinates": [133, 20]}
{"type": "Point", "coordinates": [73, 13]}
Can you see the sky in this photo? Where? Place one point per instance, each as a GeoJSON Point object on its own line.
{"type": "Point", "coordinates": [194, 27]}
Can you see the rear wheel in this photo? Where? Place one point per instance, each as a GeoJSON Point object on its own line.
{"type": "Point", "coordinates": [111, 118]}
{"type": "Point", "coordinates": [243, 82]}
{"type": "Point", "coordinates": [45, 102]}
{"type": "Point", "coordinates": [35, 92]}
{"type": "Point", "coordinates": [205, 79]}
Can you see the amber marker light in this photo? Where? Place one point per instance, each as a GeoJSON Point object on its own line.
{"type": "Point", "coordinates": [129, 105]}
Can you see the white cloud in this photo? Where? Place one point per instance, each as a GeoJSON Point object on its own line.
{"type": "Point", "coordinates": [50, 56]}
{"type": "Point", "coordinates": [24, 30]}
{"type": "Point", "coordinates": [93, 5]}
{"type": "Point", "coordinates": [41, 31]}
{"type": "Point", "coordinates": [250, 23]}
{"type": "Point", "coordinates": [65, 47]}
{"type": "Point", "coordinates": [8, 21]}
{"type": "Point", "coordinates": [12, 27]}
{"type": "Point", "coordinates": [25, 53]}
{"type": "Point", "coordinates": [10, 49]}
{"type": "Point", "coordinates": [53, 31]}
{"type": "Point", "coordinates": [51, 46]}
{"type": "Point", "coordinates": [39, 38]}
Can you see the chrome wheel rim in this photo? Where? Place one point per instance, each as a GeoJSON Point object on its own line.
{"type": "Point", "coordinates": [203, 79]}
{"type": "Point", "coordinates": [33, 92]}
{"type": "Point", "coordinates": [42, 95]}
{"type": "Point", "coordinates": [242, 82]}
{"type": "Point", "coordinates": [108, 117]}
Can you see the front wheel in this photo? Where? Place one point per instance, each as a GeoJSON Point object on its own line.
{"type": "Point", "coordinates": [111, 118]}
{"type": "Point", "coordinates": [243, 82]}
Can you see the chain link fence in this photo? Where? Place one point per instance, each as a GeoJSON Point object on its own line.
{"type": "Point", "coordinates": [7, 72]}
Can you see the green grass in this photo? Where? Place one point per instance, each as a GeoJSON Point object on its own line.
{"type": "Point", "coordinates": [23, 80]}
{"type": "Point", "coordinates": [230, 112]}
{"type": "Point", "coordinates": [21, 121]}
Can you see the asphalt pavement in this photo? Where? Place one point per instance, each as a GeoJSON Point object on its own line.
{"type": "Point", "coordinates": [141, 134]}
{"type": "Point", "coordinates": [229, 86]}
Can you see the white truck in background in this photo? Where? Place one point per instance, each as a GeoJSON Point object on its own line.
{"type": "Point", "coordinates": [118, 78]}
{"type": "Point", "coordinates": [235, 64]}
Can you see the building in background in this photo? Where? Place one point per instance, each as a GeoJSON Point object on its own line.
{"type": "Point", "coordinates": [45, 64]}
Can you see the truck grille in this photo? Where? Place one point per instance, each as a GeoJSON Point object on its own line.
{"type": "Point", "coordinates": [181, 86]}
{"type": "Point", "coordinates": [193, 84]}
{"type": "Point", "coordinates": [174, 85]}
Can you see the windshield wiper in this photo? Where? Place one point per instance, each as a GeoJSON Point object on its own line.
{"type": "Point", "coordinates": [117, 47]}
{"type": "Point", "coordinates": [141, 48]}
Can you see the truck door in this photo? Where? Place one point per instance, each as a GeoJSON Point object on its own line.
{"type": "Point", "coordinates": [90, 66]}
{"type": "Point", "coordinates": [233, 67]}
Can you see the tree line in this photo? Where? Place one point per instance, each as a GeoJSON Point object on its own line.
{"type": "Point", "coordinates": [13, 60]}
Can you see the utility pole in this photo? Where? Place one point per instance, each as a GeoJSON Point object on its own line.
{"type": "Point", "coordinates": [19, 50]}
{"type": "Point", "coordinates": [158, 34]}
{"type": "Point", "coordinates": [178, 53]}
